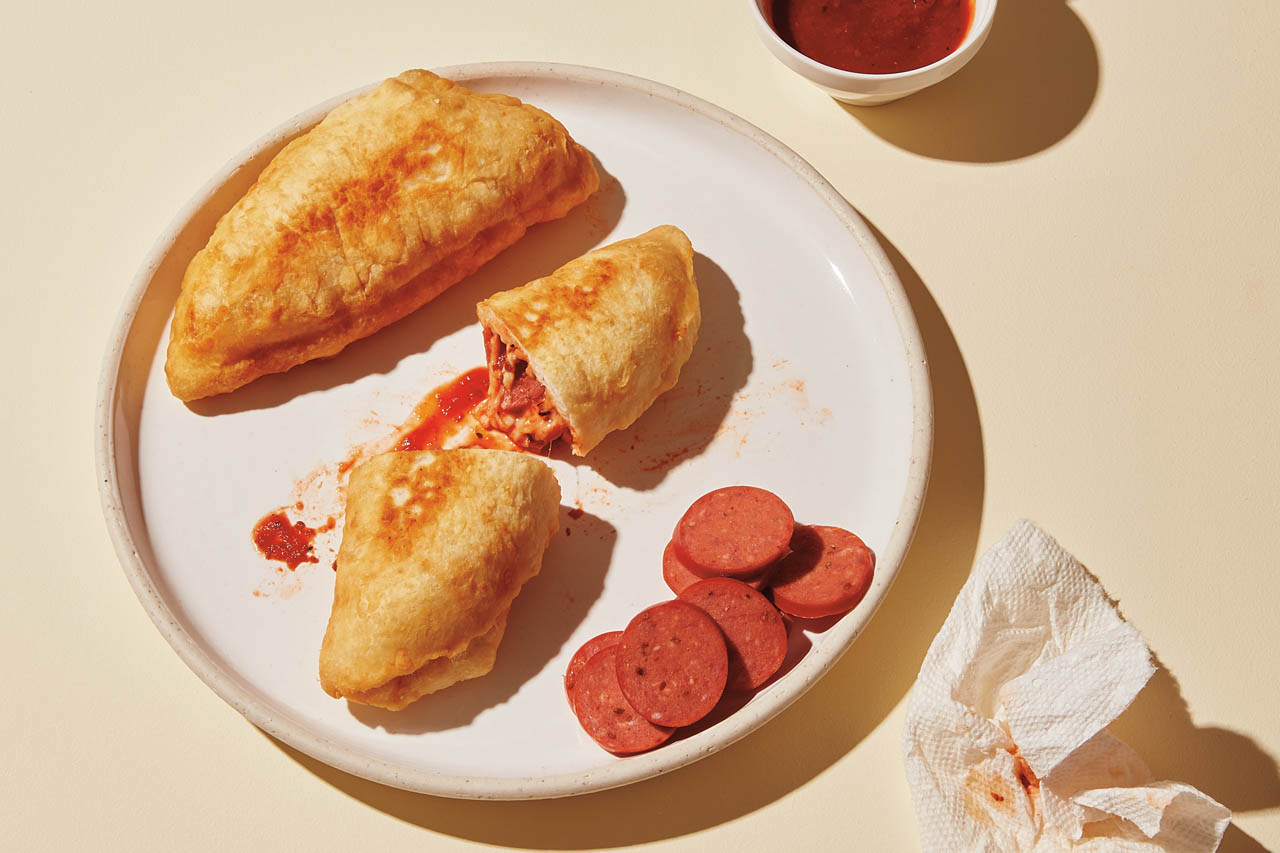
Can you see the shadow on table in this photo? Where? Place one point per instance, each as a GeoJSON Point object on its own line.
{"type": "Point", "coordinates": [1236, 840]}
{"type": "Point", "coordinates": [815, 732]}
{"type": "Point", "coordinates": [1028, 88]}
{"type": "Point", "coordinates": [1226, 765]}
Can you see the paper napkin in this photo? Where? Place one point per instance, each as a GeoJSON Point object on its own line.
{"type": "Point", "coordinates": [1005, 742]}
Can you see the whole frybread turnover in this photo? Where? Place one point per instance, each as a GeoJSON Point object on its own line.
{"type": "Point", "coordinates": [587, 349]}
{"type": "Point", "coordinates": [436, 546]}
{"type": "Point", "coordinates": [395, 196]}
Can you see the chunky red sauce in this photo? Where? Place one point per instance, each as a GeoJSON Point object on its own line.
{"type": "Point", "coordinates": [444, 408]}
{"type": "Point", "coordinates": [873, 36]}
{"type": "Point", "coordinates": [277, 539]}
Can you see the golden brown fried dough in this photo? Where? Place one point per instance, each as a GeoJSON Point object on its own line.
{"type": "Point", "coordinates": [436, 546]}
{"type": "Point", "coordinates": [599, 339]}
{"type": "Point", "coordinates": [438, 673]}
{"type": "Point", "coordinates": [395, 196]}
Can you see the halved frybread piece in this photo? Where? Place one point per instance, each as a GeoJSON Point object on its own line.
{"type": "Point", "coordinates": [587, 349]}
{"type": "Point", "coordinates": [393, 197]}
{"type": "Point", "coordinates": [436, 546]}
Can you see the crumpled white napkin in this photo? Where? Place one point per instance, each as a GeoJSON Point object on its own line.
{"type": "Point", "coordinates": [1005, 741]}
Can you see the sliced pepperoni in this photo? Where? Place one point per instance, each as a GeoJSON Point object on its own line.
{"type": "Point", "coordinates": [672, 663]}
{"type": "Point", "coordinates": [604, 712]}
{"type": "Point", "coordinates": [827, 572]}
{"type": "Point", "coordinates": [680, 577]}
{"type": "Point", "coordinates": [737, 531]}
{"type": "Point", "coordinates": [753, 629]}
{"type": "Point", "coordinates": [524, 391]}
{"type": "Point", "coordinates": [579, 660]}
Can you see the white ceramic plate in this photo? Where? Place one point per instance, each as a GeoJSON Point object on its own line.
{"type": "Point", "coordinates": [808, 379]}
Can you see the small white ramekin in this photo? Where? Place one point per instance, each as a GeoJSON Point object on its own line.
{"type": "Point", "coordinates": [867, 89]}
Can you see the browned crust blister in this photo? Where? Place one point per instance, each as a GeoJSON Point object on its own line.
{"type": "Point", "coordinates": [392, 198]}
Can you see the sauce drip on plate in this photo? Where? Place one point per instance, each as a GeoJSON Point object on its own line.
{"type": "Point", "coordinates": [277, 539]}
{"type": "Point", "coordinates": [440, 413]}
{"type": "Point", "coordinates": [873, 36]}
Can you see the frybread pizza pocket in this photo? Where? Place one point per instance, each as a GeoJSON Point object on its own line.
{"type": "Point", "coordinates": [436, 546]}
{"type": "Point", "coordinates": [393, 197]}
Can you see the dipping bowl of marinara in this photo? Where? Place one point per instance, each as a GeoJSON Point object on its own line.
{"type": "Point", "coordinates": [873, 51]}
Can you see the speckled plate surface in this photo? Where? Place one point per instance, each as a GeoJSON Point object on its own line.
{"type": "Point", "coordinates": [808, 379]}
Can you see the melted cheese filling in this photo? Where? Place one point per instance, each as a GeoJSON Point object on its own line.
{"type": "Point", "coordinates": [517, 404]}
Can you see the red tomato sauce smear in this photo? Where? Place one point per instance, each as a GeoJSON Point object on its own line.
{"type": "Point", "coordinates": [873, 36]}
{"type": "Point", "coordinates": [444, 409]}
{"type": "Point", "coordinates": [277, 539]}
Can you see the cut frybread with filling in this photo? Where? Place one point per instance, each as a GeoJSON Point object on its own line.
{"type": "Point", "coordinates": [517, 403]}
{"type": "Point", "coordinates": [586, 350]}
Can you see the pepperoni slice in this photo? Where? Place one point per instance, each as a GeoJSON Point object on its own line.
{"type": "Point", "coordinates": [753, 629]}
{"type": "Point", "coordinates": [522, 392]}
{"type": "Point", "coordinates": [680, 577]}
{"type": "Point", "coordinates": [579, 660]}
{"type": "Point", "coordinates": [735, 532]}
{"type": "Point", "coordinates": [827, 572]}
{"type": "Point", "coordinates": [604, 712]}
{"type": "Point", "coordinates": [672, 663]}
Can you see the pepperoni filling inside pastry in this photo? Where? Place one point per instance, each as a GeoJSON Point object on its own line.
{"type": "Point", "coordinates": [517, 403]}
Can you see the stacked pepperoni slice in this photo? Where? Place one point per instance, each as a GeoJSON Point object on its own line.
{"type": "Point", "coordinates": [669, 668]}
{"type": "Point", "coordinates": [750, 534]}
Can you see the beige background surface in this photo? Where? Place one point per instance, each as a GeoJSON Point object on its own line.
{"type": "Point", "coordinates": [1085, 219]}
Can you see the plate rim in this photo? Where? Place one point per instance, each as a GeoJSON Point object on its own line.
{"type": "Point", "coordinates": [623, 772]}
